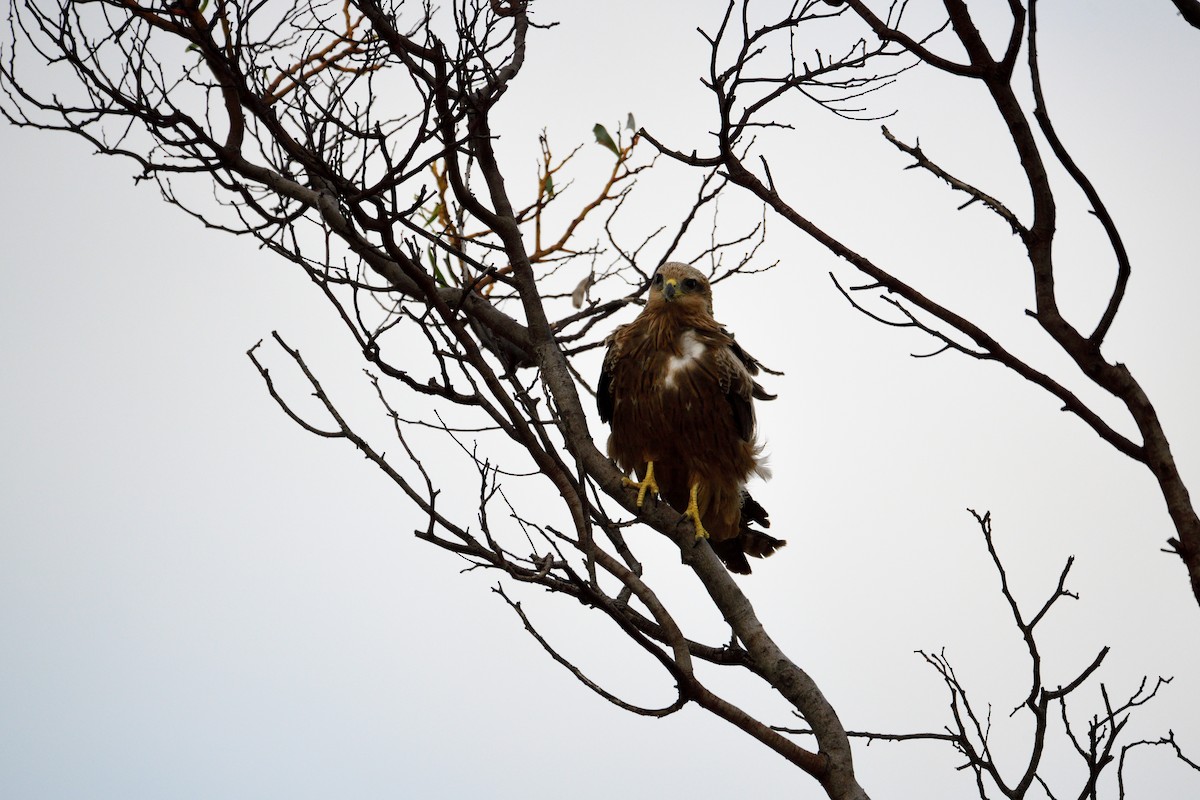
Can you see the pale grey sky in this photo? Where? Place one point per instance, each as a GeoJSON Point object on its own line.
{"type": "Point", "coordinates": [197, 599]}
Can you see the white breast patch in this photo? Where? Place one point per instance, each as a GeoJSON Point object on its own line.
{"type": "Point", "coordinates": [692, 349]}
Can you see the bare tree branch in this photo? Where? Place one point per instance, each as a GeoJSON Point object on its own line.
{"type": "Point", "coordinates": [471, 295]}
{"type": "Point", "coordinates": [1189, 10]}
{"type": "Point", "coordinates": [735, 115]}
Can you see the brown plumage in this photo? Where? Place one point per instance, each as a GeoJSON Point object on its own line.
{"type": "Point", "coordinates": [679, 394]}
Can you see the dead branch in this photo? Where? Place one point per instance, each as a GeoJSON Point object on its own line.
{"type": "Point", "coordinates": [734, 49]}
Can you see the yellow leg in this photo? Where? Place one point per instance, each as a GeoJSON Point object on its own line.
{"type": "Point", "coordinates": [647, 484]}
{"type": "Point", "coordinates": [693, 513]}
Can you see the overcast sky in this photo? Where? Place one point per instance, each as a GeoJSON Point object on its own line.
{"type": "Point", "coordinates": [197, 599]}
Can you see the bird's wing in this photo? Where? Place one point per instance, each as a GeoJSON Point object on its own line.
{"type": "Point", "coordinates": [752, 366]}
{"type": "Point", "coordinates": [604, 385]}
{"type": "Point", "coordinates": [734, 374]}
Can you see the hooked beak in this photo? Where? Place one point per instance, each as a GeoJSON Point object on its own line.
{"type": "Point", "coordinates": [670, 288]}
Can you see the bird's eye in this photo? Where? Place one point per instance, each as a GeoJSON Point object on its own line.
{"type": "Point", "coordinates": [658, 279]}
{"type": "Point", "coordinates": [690, 284]}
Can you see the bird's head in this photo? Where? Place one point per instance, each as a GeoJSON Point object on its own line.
{"type": "Point", "coordinates": [681, 286]}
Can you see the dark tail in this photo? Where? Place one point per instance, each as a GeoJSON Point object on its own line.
{"type": "Point", "coordinates": [749, 541]}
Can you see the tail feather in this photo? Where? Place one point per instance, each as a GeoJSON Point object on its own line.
{"type": "Point", "coordinates": [749, 541]}
{"type": "Point", "coordinates": [752, 511]}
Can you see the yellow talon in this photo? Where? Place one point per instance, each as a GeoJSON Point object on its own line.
{"type": "Point", "coordinates": [693, 513]}
{"type": "Point", "coordinates": [646, 485]}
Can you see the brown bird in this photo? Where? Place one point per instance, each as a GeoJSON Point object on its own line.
{"type": "Point", "coordinates": [679, 393]}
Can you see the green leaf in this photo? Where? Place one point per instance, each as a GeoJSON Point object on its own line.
{"type": "Point", "coordinates": [603, 138]}
{"type": "Point", "coordinates": [437, 273]}
{"type": "Point", "coordinates": [629, 123]}
{"type": "Point", "coordinates": [432, 216]}
{"type": "Point", "coordinates": [549, 186]}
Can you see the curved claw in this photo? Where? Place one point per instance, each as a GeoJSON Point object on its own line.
{"type": "Point", "coordinates": [647, 484]}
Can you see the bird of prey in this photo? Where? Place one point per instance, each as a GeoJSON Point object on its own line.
{"type": "Point", "coordinates": [679, 392]}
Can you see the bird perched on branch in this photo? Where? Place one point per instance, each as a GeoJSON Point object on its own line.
{"type": "Point", "coordinates": [679, 392]}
